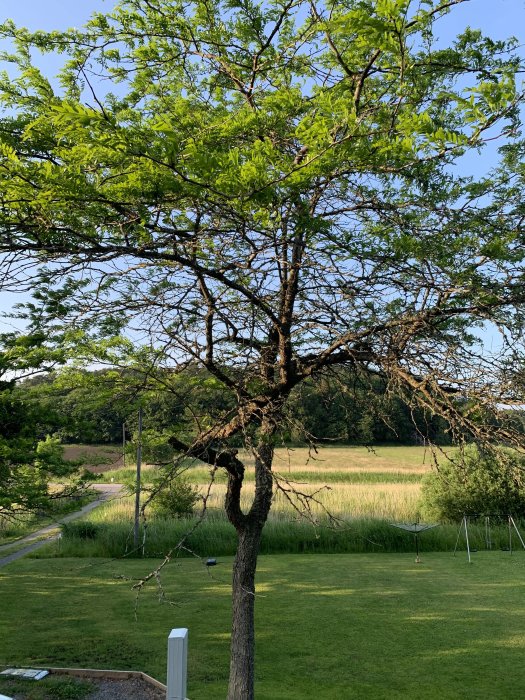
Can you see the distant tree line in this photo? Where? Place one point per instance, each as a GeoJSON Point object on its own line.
{"type": "Point", "coordinates": [91, 407]}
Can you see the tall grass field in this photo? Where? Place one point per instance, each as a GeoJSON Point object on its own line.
{"type": "Point", "coordinates": [358, 495]}
{"type": "Point", "coordinates": [349, 482]}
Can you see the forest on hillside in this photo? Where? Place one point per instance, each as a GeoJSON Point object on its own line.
{"type": "Point", "coordinates": [92, 407]}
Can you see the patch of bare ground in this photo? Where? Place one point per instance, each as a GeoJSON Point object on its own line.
{"type": "Point", "coordinates": [97, 458]}
{"type": "Point", "coordinates": [87, 686]}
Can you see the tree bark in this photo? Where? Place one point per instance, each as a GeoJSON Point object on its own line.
{"type": "Point", "coordinates": [242, 658]}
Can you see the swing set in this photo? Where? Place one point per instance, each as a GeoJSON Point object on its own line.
{"type": "Point", "coordinates": [464, 529]}
{"type": "Point", "coordinates": [416, 528]}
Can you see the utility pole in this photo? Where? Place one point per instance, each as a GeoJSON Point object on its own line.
{"type": "Point", "coordinates": [137, 489]}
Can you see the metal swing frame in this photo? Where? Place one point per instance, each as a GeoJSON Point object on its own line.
{"type": "Point", "coordinates": [464, 526]}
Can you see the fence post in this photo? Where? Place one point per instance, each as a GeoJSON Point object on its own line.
{"type": "Point", "coordinates": [177, 664]}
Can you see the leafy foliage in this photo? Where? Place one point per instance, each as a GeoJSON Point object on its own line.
{"type": "Point", "coordinates": [27, 467]}
{"type": "Point", "coordinates": [29, 457]}
{"type": "Point", "coordinates": [92, 407]}
{"type": "Point", "coordinates": [175, 499]}
{"type": "Point", "coordinates": [477, 484]}
{"type": "Point", "coordinates": [269, 193]}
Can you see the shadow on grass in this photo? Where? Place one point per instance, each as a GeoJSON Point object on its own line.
{"type": "Point", "coordinates": [367, 627]}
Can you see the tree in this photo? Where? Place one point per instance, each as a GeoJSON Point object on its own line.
{"type": "Point", "coordinates": [29, 459]}
{"type": "Point", "coordinates": [268, 193]}
{"type": "Point", "coordinates": [176, 499]}
{"type": "Point", "coordinates": [338, 408]}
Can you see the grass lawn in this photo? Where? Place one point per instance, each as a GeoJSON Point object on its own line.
{"type": "Point", "coordinates": [49, 688]}
{"type": "Point", "coordinates": [361, 627]}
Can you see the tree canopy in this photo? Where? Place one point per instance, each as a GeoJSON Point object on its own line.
{"type": "Point", "coordinates": [269, 191]}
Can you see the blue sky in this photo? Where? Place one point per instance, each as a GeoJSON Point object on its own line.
{"type": "Point", "coordinates": [497, 18]}
{"type": "Point", "coordinates": [51, 14]}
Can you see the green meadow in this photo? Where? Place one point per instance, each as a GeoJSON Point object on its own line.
{"type": "Point", "coordinates": [342, 612]}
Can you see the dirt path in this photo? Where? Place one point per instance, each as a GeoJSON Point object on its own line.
{"type": "Point", "coordinates": [48, 534]}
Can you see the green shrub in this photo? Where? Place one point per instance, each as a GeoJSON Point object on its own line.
{"type": "Point", "coordinates": [476, 484]}
{"type": "Point", "coordinates": [176, 499]}
{"type": "Point", "coordinates": [82, 529]}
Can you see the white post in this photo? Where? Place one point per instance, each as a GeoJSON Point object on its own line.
{"type": "Point", "coordinates": [177, 664]}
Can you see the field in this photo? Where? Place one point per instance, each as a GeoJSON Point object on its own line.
{"type": "Point", "coordinates": [354, 481]}
{"type": "Point", "coordinates": [331, 622]}
{"type": "Point", "coordinates": [351, 483]}
{"type": "Point", "coordinates": [359, 483]}
{"type": "Point", "coordinates": [355, 627]}
{"type": "Point", "coordinates": [363, 490]}
{"type": "Point", "coordinates": [99, 458]}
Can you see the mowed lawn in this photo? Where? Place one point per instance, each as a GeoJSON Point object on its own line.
{"type": "Point", "coordinates": [377, 627]}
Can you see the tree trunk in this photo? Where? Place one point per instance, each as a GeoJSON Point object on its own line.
{"type": "Point", "coordinates": [249, 529]}
{"type": "Point", "coordinates": [241, 686]}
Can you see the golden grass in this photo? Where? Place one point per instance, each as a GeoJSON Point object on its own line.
{"type": "Point", "coordinates": [373, 499]}
{"type": "Point", "coordinates": [328, 460]}
{"type": "Point", "coordinates": [385, 501]}
{"type": "Point", "coordinates": [115, 510]}
{"type": "Point", "coordinates": [348, 501]}
{"type": "Point", "coordinates": [357, 459]}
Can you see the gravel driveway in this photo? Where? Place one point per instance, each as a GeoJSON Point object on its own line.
{"type": "Point", "coordinates": [106, 491]}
